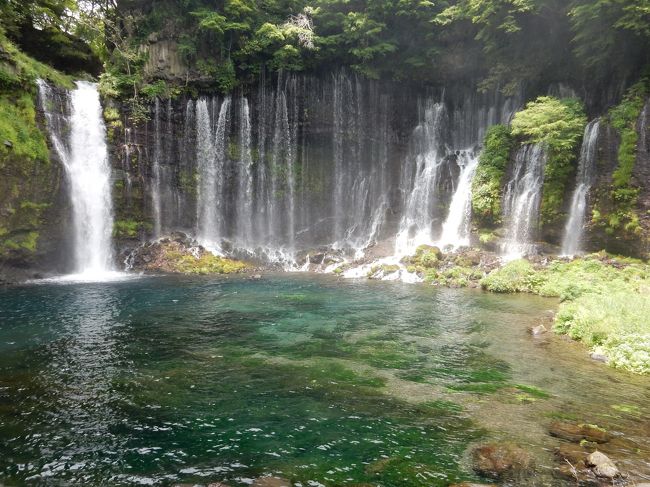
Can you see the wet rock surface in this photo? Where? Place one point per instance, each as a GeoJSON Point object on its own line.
{"type": "Point", "coordinates": [602, 465]}
{"type": "Point", "coordinates": [578, 432]}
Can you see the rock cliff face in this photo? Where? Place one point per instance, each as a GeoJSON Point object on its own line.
{"type": "Point", "coordinates": [296, 163]}
{"type": "Point", "coordinates": [641, 176]}
{"type": "Point", "coordinates": [33, 211]}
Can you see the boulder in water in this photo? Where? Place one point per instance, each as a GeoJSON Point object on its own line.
{"type": "Point", "coordinates": [598, 357]}
{"type": "Point", "coordinates": [538, 330]}
{"type": "Point", "coordinates": [500, 460]}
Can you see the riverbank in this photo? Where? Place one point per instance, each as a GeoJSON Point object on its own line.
{"type": "Point", "coordinates": [604, 299]}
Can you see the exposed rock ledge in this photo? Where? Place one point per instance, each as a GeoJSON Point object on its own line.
{"type": "Point", "coordinates": [179, 254]}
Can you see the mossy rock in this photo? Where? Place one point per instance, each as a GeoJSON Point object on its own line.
{"type": "Point", "coordinates": [182, 256]}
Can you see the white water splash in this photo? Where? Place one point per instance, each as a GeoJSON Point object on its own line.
{"type": "Point", "coordinates": [456, 229]}
{"type": "Point", "coordinates": [522, 200]}
{"type": "Point", "coordinates": [420, 182]}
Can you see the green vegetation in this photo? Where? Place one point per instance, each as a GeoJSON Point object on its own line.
{"type": "Point", "coordinates": [605, 302]}
{"type": "Point", "coordinates": [18, 128]}
{"type": "Point", "coordinates": [20, 71]}
{"type": "Point", "coordinates": [615, 208]}
{"type": "Point", "coordinates": [425, 257]}
{"type": "Point", "coordinates": [516, 276]}
{"type": "Point", "coordinates": [206, 263]}
{"type": "Point", "coordinates": [455, 276]}
{"type": "Point", "coordinates": [24, 155]}
{"type": "Point", "coordinates": [127, 228]}
{"type": "Point", "coordinates": [558, 126]}
{"type": "Point", "coordinates": [487, 182]}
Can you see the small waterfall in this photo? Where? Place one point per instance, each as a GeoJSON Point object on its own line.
{"type": "Point", "coordinates": [456, 229]}
{"type": "Point", "coordinates": [574, 228]}
{"type": "Point", "coordinates": [522, 200]}
{"type": "Point", "coordinates": [81, 146]}
{"type": "Point", "coordinates": [245, 174]}
{"type": "Point", "coordinates": [211, 154]}
{"type": "Point", "coordinates": [156, 172]}
{"type": "Point", "coordinates": [420, 181]}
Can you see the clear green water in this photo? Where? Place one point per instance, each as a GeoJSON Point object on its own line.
{"type": "Point", "coordinates": [314, 379]}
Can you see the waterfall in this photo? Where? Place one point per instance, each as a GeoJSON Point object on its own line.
{"type": "Point", "coordinates": [312, 165]}
{"type": "Point", "coordinates": [456, 229]}
{"type": "Point", "coordinates": [211, 148]}
{"type": "Point", "coordinates": [574, 228]}
{"type": "Point", "coordinates": [155, 169]}
{"type": "Point", "coordinates": [420, 181]}
{"type": "Point", "coordinates": [245, 190]}
{"type": "Point", "coordinates": [81, 146]}
{"type": "Point", "coordinates": [522, 200]}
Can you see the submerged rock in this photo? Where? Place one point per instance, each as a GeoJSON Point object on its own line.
{"type": "Point", "coordinates": [599, 357]}
{"type": "Point", "coordinates": [578, 432]}
{"type": "Point", "coordinates": [538, 330]}
{"type": "Point", "coordinates": [602, 465]}
{"type": "Point", "coordinates": [501, 460]}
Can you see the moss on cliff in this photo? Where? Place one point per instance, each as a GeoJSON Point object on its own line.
{"type": "Point", "coordinates": [27, 186]}
{"type": "Point", "coordinates": [615, 208]}
{"type": "Point", "coordinates": [20, 137]}
{"type": "Point", "coordinates": [487, 182]}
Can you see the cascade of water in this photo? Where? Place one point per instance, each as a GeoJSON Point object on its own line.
{"type": "Point", "coordinates": [522, 200]}
{"type": "Point", "coordinates": [419, 181]}
{"type": "Point", "coordinates": [574, 228]}
{"type": "Point", "coordinates": [205, 159]}
{"type": "Point", "coordinates": [211, 154]}
{"type": "Point", "coordinates": [245, 193]}
{"type": "Point", "coordinates": [379, 181]}
{"type": "Point", "coordinates": [281, 164]}
{"type": "Point", "coordinates": [81, 146]}
{"type": "Point", "coordinates": [456, 229]}
{"type": "Point", "coordinates": [156, 172]}
{"type": "Point", "coordinates": [126, 162]}
{"type": "Point", "coordinates": [338, 205]}
{"type": "Point", "coordinates": [187, 166]}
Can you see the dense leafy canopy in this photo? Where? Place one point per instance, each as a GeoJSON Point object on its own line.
{"type": "Point", "coordinates": [502, 42]}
